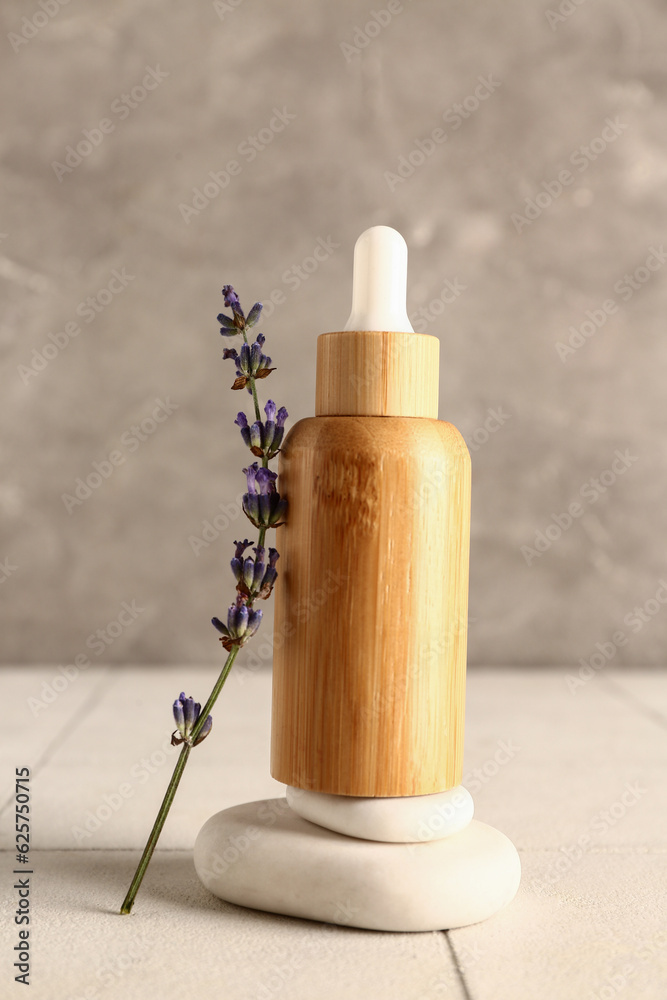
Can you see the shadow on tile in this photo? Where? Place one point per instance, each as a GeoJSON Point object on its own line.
{"type": "Point", "coordinates": [96, 882]}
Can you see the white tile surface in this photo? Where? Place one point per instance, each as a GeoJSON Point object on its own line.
{"type": "Point", "coordinates": [180, 941]}
{"type": "Point", "coordinates": [119, 759]}
{"type": "Point", "coordinates": [600, 925]}
{"type": "Point", "coordinates": [584, 920]}
{"type": "Point", "coordinates": [646, 687]}
{"type": "Point", "coordinates": [574, 754]}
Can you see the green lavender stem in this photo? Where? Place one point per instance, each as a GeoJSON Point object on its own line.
{"type": "Point", "coordinates": [219, 684]}
{"type": "Point", "coordinates": [170, 794]}
{"type": "Point", "coordinates": [157, 829]}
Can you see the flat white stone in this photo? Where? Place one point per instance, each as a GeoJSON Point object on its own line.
{"type": "Point", "coordinates": [400, 820]}
{"type": "Point", "coordinates": [262, 855]}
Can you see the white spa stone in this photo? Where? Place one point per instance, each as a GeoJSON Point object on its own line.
{"type": "Point", "coordinates": [417, 818]}
{"type": "Point", "coordinates": [262, 855]}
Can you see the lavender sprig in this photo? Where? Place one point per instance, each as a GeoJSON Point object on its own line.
{"type": "Point", "coordinates": [254, 575]}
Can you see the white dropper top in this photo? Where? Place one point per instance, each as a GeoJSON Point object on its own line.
{"type": "Point", "coordinates": [379, 282]}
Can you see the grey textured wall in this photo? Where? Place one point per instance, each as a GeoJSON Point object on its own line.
{"type": "Point", "coordinates": [576, 92]}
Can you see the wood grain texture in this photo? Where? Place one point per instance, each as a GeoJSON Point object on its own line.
{"type": "Point", "coordinates": [371, 607]}
{"type": "Point", "coordinates": [377, 373]}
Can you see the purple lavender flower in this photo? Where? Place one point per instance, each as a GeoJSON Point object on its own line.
{"type": "Point", "coordinates": [231, 325]}
{"type": "Point", "coordinates": [271, 430]}
{"type": "Point", "coordinates": [270, 573]}
{"type": "Point", "coordinates": [275, 427]}
{"type": "Point", "coordinates": [237, 561]}
{"type": "Point", "coordinates": [237, 322]}
{"type": "Point", "coordinates": [242, 623]}
{"type": "Point", "coordinates": [232, 300]}
{"type": "Point", "coordinates": [242, 423]}
{"type": "Point", "coordinates": [250, 362]}
{"type": "Point", "coordinates": [244, 569]}
{"type": "Point", "coordinates": [251, 359]}
{"type": "Point", "coordinates": [253, 315]}
{"type": "Point", "coordinates": [228, 327]}
{"type": "Point", "coordinates": [186, 715]}
{"type": "Point", "coordinates": [205, 730]}
{"type": "Point", "coordinates": [264, 437]}
{"type": "Point", "coordinates": [254, 579]}
{"type": "Point", "coordinates": [255, 433]}
{"type": "Point", "coordinates": [262, 504]}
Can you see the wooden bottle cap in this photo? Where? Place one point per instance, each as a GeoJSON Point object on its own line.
{"type": "Point", "coordinates": [377, 373]}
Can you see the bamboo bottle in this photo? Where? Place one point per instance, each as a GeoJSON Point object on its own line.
{"type": "Point", "coordinates": [371, 601]}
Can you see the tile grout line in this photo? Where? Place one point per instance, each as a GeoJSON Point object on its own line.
{"type": "Point", "coordinates": [459, 971]}
{"type": "Point", "coordinates": [69, 726]}
{"type": "Point", "coordinates": [614, 688]}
